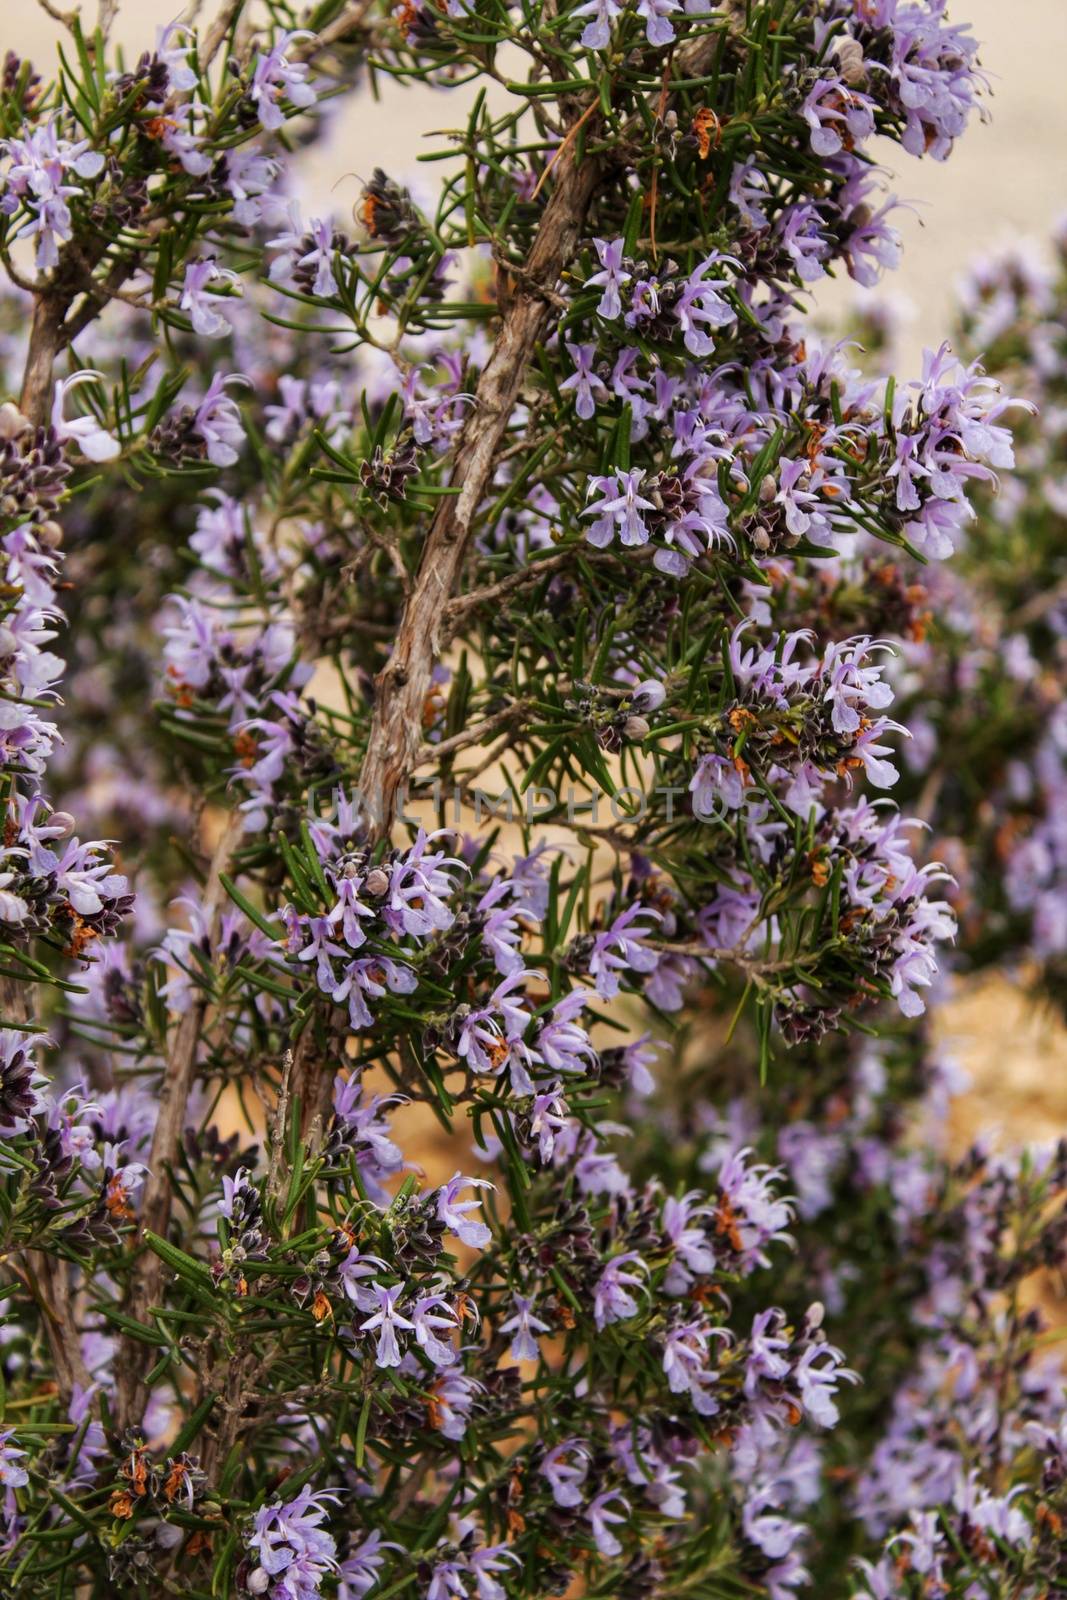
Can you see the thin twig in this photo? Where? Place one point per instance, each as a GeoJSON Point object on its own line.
{"type": "Point", "coordinates": [335, 32]}
{"type": "Point", "coordinates": [572, 134]}
{"type": "Point", "coordinates": [66, 19]}
{"type": "Point", "coordinates": [475, 734]}
{"type": "Point", "coordinates": [178, 1075]}
{"type": "Point", "coordinates": [216, 34]}
{"type": "Point", "coordinates": [463, 604]}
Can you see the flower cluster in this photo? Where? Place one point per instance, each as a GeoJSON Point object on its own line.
{"type": "Point", "coordinates": [460, 1182]}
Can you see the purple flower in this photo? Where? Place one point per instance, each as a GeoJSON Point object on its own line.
{"type": "Point", "coordinates": [612, 1300]}
{"type": "Point", "coordinates": [547, 1116]}
{"type": "Point", "coordinates": [701, 307]}
{"type": "Point", "coordinates": [597, 33]}
{"type": "Point", "coordinates": [453, 1212]}
{"type": "Point", "coordinates": [387, 1319]}
{"type": "Point", "coordinates": [174, 45]}
{"type": "Point", "coordinates": [583, 380]}
{"type": "Point", "coordinates": [218, 421]}
{"type": "Point", "coordinates": [204, 304]}
{"type": "Point", "coordinates": [693, 1254]}
{"type": "Point", "coordinates": [12, 1474]}
{"type": "Point", "coordinates": [619, 949]}
{"type": "Point", "coordinates": [598, 1513]}
{"type": "Point", "coordinates": [485, 1564]}
{"type": "Point", "coordinates": [685, 1364]}
{"type": "Point", "coordinates": [522, 1325]}
{"type": "Point", "coordinates": [561, 1045]}
{"type": "Point", "coordinates": [818, 1374]}
{"type": "Point", "coordinates": [837, 115]}
{"type": "Point", "coordinates": [430, 1315]}
{"type": "Point", "coordinates": [749, 193]}
{"type": "Point", "coordinates": [420, 885]}
{"type": "Point", "coordinates": [361, 1570]}
{"type": "Point", "coordinates": [92, 440]}
{"type": "Point", "coordinates": [611, 276]}
{"type": "Point", "coordinates": [293, 1550]}
{"type": "Point", "coordinates": [354, 1269]}
{"type": "Point", "coordinates": [800, 233]}
{"type": "Point", "coordinates": [658, 28]}
{"type": "Point", "coordinates": [765, 1527]}
{"type": "Point", "coordinates": [276, 79]}
{"type": "Point", "coordinates": [565, 1466]}
{"type": "Point", "coordinates": [716, 784]}
{"type": "Point", "coordinates": [454, 1397]}
{"type": "Point", "coordinates": [41, 162]}
{"type": "Point", "coordinates": [618, 510]}
{"type": "Point", "coordinates": [312, 249]}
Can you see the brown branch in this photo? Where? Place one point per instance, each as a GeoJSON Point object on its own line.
{"type": "Point", "coordinates": [178, 1075]}
{"type": "Point", "coordinates": [46, 341]}
{"type": "Point", "coordinates": [404, 682]}
{"type": "Point", "coordinates": [66, 18]}
{"type": "Point", "coordinates": [463, 604]}
{"type": "Point", "coordinates": [311, 1081]}
{"type": "Point", "coordinates": [50, 1278]}
{"type": "Point", "coordinates": [335, 32]}
{"type": "Point", "coordinates": [216, 34]}
{"type": "Point", "coordinates": [474, 735]}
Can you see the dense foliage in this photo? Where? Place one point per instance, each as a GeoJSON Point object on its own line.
{"type": "Point", "coordinates": [477, 1132]}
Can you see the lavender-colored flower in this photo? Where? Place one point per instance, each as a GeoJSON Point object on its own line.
{"type": "Point", "coordinates": [619, 949]}
{"type": "Point", "coordinates": [610, 278]}
{"type": "Point", "coordinates": [612, 1299]}
{"type": "Point", "coordinates": [523, 1324]}
{"type": "Point", "coordinates": [716, 785]}
{"type": "Point", "coordinates": [597, 34]}
{"type": "Point", "coordinates": [618, 510]}
{"type": "Point", "coordinates": [694, 1257]}
{"type": "Point", "coordinates": [685, 1363]}
{"type": "Point", "coordinates": [217, 421]}
{"type": "Point", "coordinates": [174, 45]}
{"type": "Point", "coordinates": [601, 1518]}
{"type": "Point", "coordinates": [837, 115]}
{"type": "Point", "coordinates": [387, 1319]}
{"type": "Point", "coordinates": [657, 14]}
{"type": "Point", "coordinates": [583, 380]}
{"type": "Point", "coordinates": [276, 79]}
{"type": "Point", "coordinates": [566, 1466]}
{"type": "Point", "coordinates": [293, 1551]}
{"type": "Point", "coordinates": [12, 1474]}
{"type": "Point", "coordinates": [430, 1315]}
{"type": "Point", "coordinates": [204, 304]}
{"type": "Point", "coordinates": [701, 307]}
{"type": "Point", "coordinates": [453, 1212]}
{"type": "Point", "coordinates": [454, 1398]}
{"type": "Point", "coordinates": [361, 1569]}
{"type": "Point", "coordinates": [92, 440]}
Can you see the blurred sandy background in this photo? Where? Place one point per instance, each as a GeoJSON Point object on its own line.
{"type": "Point", "coordinates": [1007, 178]}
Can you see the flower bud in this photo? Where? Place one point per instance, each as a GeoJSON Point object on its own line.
{"type": "Point", "coordinates": [636, 728]}
{"type": "Point", "coordinates": [376, 882]}
{"type": "Point", "coordinates": [49, 534]}
{"type": "Point", "coordinates": [12, 421]}
{"type": "Point", "coordinates": [648, 696]}
{"type": "Point", "coordinates": [850, 62]}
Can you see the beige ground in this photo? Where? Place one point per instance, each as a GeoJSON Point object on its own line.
{"type": "Point", "coordinates": [1007, 178]}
